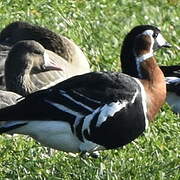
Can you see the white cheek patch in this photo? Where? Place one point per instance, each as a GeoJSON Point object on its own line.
{"type": "Point", "coordinates": [160, 40]}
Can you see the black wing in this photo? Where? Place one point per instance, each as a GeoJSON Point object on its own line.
{"type": "Point", "coordinates": [77, 96]}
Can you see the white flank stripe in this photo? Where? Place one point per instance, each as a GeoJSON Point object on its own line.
{"type": "Point", "coordinates": [134, 97]}
{"type": "Point", "coordinates": [144, 100]}
{"type": "Point", "coordinates": [109, 110]}
{"type": "Point", "coordinates": [63, 108]}
{"type": "Point", "coordinates": [79, 103]}
{"type": "Point", "coordinates": [93, 100]}
{"type": "Point", "coordinates": [76, 122]}
{"type": "Point", "coordinates": [87, 120]}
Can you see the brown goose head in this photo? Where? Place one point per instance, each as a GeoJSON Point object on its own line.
{"type": "Point", "coordinates": [28, 67]}
{"type": "Point", "coordinates": [64, 47]}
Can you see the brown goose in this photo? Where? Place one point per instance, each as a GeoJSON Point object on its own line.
{"type": "Point", "coordinates": [61, 45]}
{"type": "Point", "coordinates": [172, 73]}
{"type": "Point", "coordinates": [30, 67]}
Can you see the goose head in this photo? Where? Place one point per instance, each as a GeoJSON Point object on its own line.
{"type": "Point", "coordinates": [64, 47]}
{"type": "Point", "coordinates": [127, 56]}
{"type": "Point", "coordinates": [26, 61]}
{"type": "Point", "coordinates": [149, 73]}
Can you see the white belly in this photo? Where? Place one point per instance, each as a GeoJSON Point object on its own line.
{"type": "Point", "coordinates": [57, 135]}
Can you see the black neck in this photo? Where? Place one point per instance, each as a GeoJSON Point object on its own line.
{"type": "Point", "coordinates": [128, 63]}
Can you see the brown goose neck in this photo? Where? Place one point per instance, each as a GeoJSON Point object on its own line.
{"type": "Point", "coordinates": [154, 73]}
{"type": "Point", "coordinates": [154, 86]}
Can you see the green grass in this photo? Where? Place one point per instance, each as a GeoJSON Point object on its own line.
{"type": "Point", "coordinates": [98, 27]}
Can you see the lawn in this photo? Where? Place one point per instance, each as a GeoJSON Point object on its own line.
{"type": "Point", "coordinates": [98, 27]}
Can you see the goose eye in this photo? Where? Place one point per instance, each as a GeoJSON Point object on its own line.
{"type": "Point", "coordinates": [155, 35]}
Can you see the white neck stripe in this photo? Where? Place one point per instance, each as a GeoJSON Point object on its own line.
{"type": "Point", "coordinates": [144, 57]}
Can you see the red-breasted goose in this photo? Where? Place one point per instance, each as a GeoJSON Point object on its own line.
{"type": "Point", "coordinates": [94, 111]}
{"type": "Point", "coordinates": [30, 67]}
{"type": "Point", "coordinates": [172, 73]}
{"type": "Point", "coordinates": [127, 54]}
{"type": "Point", "coordinates": [61, 45]}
